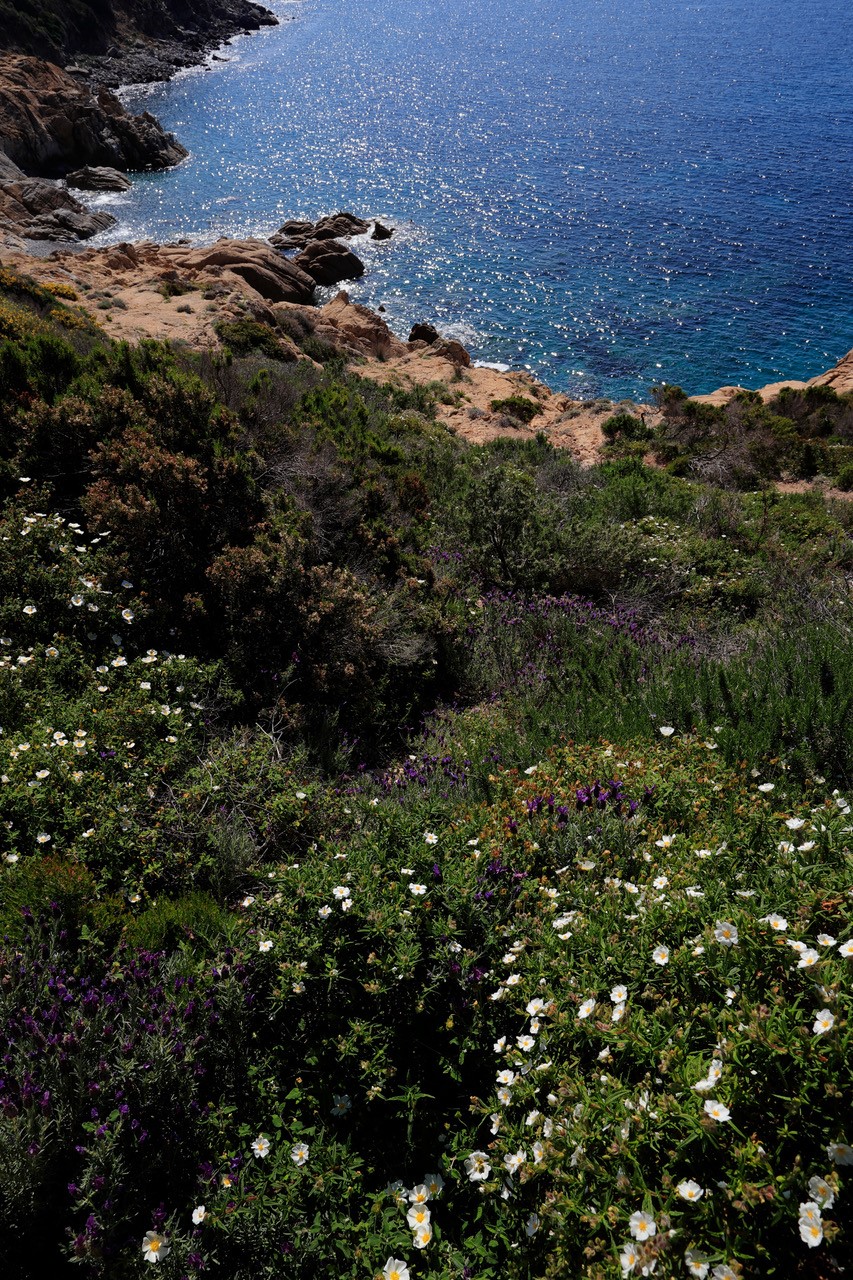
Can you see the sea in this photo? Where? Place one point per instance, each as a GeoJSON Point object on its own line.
{"type": "Point", "coordinates": [608, 193]}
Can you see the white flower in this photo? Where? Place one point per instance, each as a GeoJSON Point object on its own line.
{"type": "Point", "coordinates": [722, 1271]}
{"type": "Point", "coordinates": [846, 948]}
{"type": "Point", "coordinates": [525, 1042]}
{"type": "Point", "coordinates": [419, 1194]}
{"type": "Point", "coordinates": [824, 1021]}
{"type": "Point", "coordinates": [696, 1264]}
{"type": "Point", "coordinates": [665, 842]}
{"type": "Point", "coordinates": [430, 837]}
{"type": "Point", "coordinates": [261, 1147]}
{"type": "Point", "coordinates": [199, 1214]}
{"type": "Point", "coordinates": [726, 933]}
{"type": "Point", "coordinates": [417, 890]}
{"type": "Point", "coordinates": [809, 1211]}
{"type": "Point", "coordinates": [266, 945]}
{"type": "Point", "coordinates": [407, 871]}
{"type": "Point", "coordinates": [690, 1190]}
{"type": "Point", "coordinates": [340, 892]}
{"type": "Point", "coordinates": [660, 882]}
{"type": "Point", "coordinates": [618, 1012]}
{"type": "Point", "coordinates": [43, 838]}
{"type": "Point", "coordinates": [477, 1166]}
{"type": "Point", "coordinates": [821, 1192]}
{"type": "Point", "coordinates": [532, 769]}
{"type": "Point", "coordinates": [660, 955]}
{"type": "Point", "coordinates": [840, 1153]}
{"type": "Point", "coordinates": [765, 786]}
{"type": "Point", "coordinates": [666, 731]}
{"type": "Point", "coordinates": [341, 1104]}
{"type": "Point", "coordinates": [434, 1183]}
{"type": "Point", "coordinates": [811, 1232]}
{"type": "Point", "coordinates": [299, 1153]}
{"type": "Point", "coordinates": [534, 1222]}
{"type": "Point", "coordinates": [808, 958]}
{"type": "Point", "coordinates": [127, 614]}
{"type": "Point", "coordinates": [504, 1096]}
{"type": "Point", "coordinates": [395, 1269]}
{"type": "Point", "coordinates": [298, 988]}
{"type": "Point", "coordinates": [586, 1008]}
{"type": "Point", "coordinates": [418, 1216]}
{"type": "Point", "coordinates": [794, 824]}
{"type": "Point", "coordinates": [536, 1006]}
{"type": "Point", "coordinates": [777, 922]}
{"type": "Point", "coordinates": [154, 1246]}
{"type": "Point", "coordinates": [324, 912]}
{"type": "Point", "coordinates": [506, 1077]}
{"type": "Point", "coordinates": [628, 1258]}
{"type": "Point", "coordinates": [422, 1237]}
{"type": "Point", "coordinates": [247, 901]}
{"type": "Point", "coordinates": [642, 1225]}
{"type": "Point", "coordinates": [538, 1153]}
{"type": "Point", "coordinates": [29, 609]}
{"type": "Point", "coordinates": [300, 795]}
{"type": "Point", "coordinates": [514, 1160]}
{"type": "Point", "coordinates": [717, 1110]}
{"type": "Point", "coordinates": [619, 994]}
{"type": "Point", "coordinates": [823, 939]}
{"type": "Point", "coordinates": [10, 857]}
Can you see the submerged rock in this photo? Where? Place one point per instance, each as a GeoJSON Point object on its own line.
{"type": "Point", "coordinates": [296, 234]}
{"type": "Point", "coordinates": [381, 232]}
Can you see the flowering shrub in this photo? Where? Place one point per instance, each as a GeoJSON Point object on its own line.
{"type": "Point", "coordinates": [555, 984]}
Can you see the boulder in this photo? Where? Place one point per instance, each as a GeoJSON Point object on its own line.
{"type": "Point", "coordinates": [452, 351]}
{"type": "Point", "coordinates": [39, 209]}
{"type": "Point", "coordinates": [424, 333]}
{"type": "Point", "coordinates": [98, 178]}
{"type": "Point", "coordinates": [272, 276]}
{"type": "Point", "coordinates": [328, 262]}
{"type": "Point", "coordinates": [51, 124]}
{"type": "Point", "coordinates": [296, 234]}
{"type": "Point", "coordinates": [381, 232]}
{"type": "Point", "coordinates": [357, 329]}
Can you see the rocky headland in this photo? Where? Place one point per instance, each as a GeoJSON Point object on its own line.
{"type": "Point", "coordinates": [54, 132]}
{"type": "Point", "coordinates": [185, 293]}
{"type": "Point", "coordinates": [114, 42]}
{"type": "Point", "coordinates": [61, 127]}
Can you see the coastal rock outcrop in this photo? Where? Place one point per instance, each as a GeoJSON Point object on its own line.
{"type": "Point", "coordinates": [296, 234]}
{"type": "Point", "coordinates": [50, 124]}
{"type": "Point", "coordinates": [43, 210]}
{"type": "Point", "coordinates": [272, 276]}
{"type": "Point", "coordinates": [329, 262]}
{"type": "Point", "coordinates": [98, 178]}
{"type": "Point", "coordinates": [127, 41]}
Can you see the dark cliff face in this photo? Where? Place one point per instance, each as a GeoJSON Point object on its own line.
{"type": "Point", "coordinates": [61, 30]}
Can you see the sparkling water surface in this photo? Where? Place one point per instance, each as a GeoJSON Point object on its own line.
{"type": "Point", "coordinates": [607, 192]}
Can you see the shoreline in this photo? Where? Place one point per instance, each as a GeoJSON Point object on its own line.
{"type": "Point", "coordinates": [181, 293]}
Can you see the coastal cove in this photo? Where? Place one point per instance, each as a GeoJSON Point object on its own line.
{"type": "Point", "coordinates": [606, 200]}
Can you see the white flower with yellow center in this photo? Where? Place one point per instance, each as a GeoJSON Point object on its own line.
{"type": "Point", "coordinates": [824, 1022]}
{"type": "Point", "coordinates": [690, 1190]}
{"type": "Point", "coordinates": [154, 1246]}
{"type": "Point", "coordinates": [717, 1111]}
{"type": "Point", "coordinates": [261, 1148]}
{"type": "Point", "coordinates": [642, 1225]}
{"type": "Point", "coordinates": [418, 1216]}
{"type": "Point", "coordinates": [395, 1269]}
{"type": "Point", "coordinates": [299, 1154]}
{"type": "Point", "coordinates": [477, 1166]}
{"type": "Point", "coordinates": [660, 955]}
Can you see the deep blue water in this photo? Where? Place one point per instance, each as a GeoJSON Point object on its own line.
{"type": "Point", "coordinates": [608, 192]}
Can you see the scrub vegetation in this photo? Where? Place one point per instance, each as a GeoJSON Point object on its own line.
{"type": "Point", "coordinates": [417, 860]}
